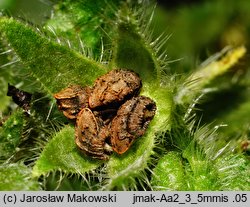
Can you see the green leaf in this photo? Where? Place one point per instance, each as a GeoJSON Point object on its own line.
{"type": "Point", "coordinates": [10, 134]}
{"type": "Point", "coordinates": [201, 175]}
{"type": "Point", "coordinates": [16, 177]}
{"type": "Point", "coordinates": [233, 172]}
{"type": "Point", "coordinates": [62, 154]}
{"type": "Point", "coordinates": [200, 172]}
{"type": "Point", "coordinates": [132, 50]}
{"type": "Point", "coordinates": [82, 22]}
{"type": "Point", "coordinates": [53, 65]}
{"type": "Point", "coordinates": [169, 173]}
{"type": "Point", "coordinates": [123, 169]}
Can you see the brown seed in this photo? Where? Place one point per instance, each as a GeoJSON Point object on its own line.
{"type": "Point", "coordinates": [131, 122]}
{"type": "Point", "coordinates": [110, 113]}
{"type": "Point", "coordinates": [114, 88]}
{"type": "Point", "coordinates": [72, 99]}
{"type": "Point", "coordinates": [90, 135]}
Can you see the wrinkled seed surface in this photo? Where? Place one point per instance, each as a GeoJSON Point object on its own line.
{"type": "Point", "coordinates": [109, 113]}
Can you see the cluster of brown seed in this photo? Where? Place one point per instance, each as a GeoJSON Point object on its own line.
{"type": "Point", "coordinates": [109, 113]}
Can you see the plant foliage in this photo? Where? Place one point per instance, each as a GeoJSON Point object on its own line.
{"type": "Point", "coordinates": [177, 152]}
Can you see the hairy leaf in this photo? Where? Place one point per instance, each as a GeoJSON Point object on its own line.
{"type": "Point", "coordinates": [54, 66]}
{"type": "Point", "coordinates": [10, 134]}
{"type": "Point", "coordinates": [16, 177]}
{"type": "Point", "coordinates": [82, 23]}
{"type": "Point", "coordinates": [169, 173]}
{"type": "Point", "coordinates": [123, 168]}
{"type": "Point", "coordinates": [233, 172]}
{"type": "Point", "coordinates": [61, 154]}
{"type": "Point", "coordinates": [132, 50]}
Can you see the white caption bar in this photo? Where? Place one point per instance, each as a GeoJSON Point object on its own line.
{"type": "Point", "coordinates": [130, 198]}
